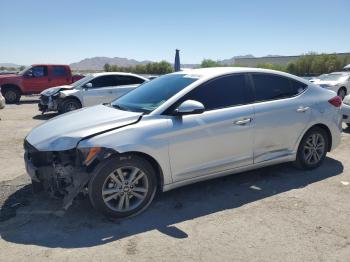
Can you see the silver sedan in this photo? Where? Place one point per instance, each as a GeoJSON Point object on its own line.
{"type": "Point", "coordinates": [179, 129]}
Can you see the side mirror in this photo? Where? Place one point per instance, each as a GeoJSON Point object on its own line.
{"type": "Point", "coordinates": [88, 85]}
{"type": "Point", "coordinates": [189, 107]}
{"type": "Point", "coordinates": [28, 74]}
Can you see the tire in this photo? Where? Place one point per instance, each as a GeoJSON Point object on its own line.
{"type": "Point", "coordinates": [12, 95]}
{"type": "Point", "coordinates": [68, 105]}
{"type": "Point", "coordinates": [348, 124]}
{"type": "Point", "coordinates": [342, 92]}
{"type": "Point", "coordinates": [123, 168]}
{"type": "Point", "coordinates": [304, 161]}
{"type": "Point", "coordinates": [37, 187]}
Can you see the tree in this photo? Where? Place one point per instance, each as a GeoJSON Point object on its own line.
{"type": "Point", "coordinates": [210, 63]}
{"type": "Point", "coordinates": [107, 67]}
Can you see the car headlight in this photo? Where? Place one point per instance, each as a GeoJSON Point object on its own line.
{"type": "Point", "coordinates": [89, 154]}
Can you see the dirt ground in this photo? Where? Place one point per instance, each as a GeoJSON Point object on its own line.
{"type": "Point", "coordinates": [272, 214]}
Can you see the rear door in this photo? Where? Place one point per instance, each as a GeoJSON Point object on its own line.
{"type": "Point", "coordinates": [36, 79]}
{"type": "Point", "coordinates": [219, 139]}
{"type": "Point", "coordinates": [281, 115]}
{"type": "Point", "coordinates": [59, 76]}
{"type": "Point", "coordinates": [101, 91]}
{"type": "Point", "coordinates": [126, 84]}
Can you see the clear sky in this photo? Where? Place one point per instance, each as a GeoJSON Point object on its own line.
{"type": "Point", "coordinates": [66, 31]}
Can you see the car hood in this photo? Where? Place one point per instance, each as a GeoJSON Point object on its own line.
{"type": "Point", "coordinates": [64, 132]}
{"type": "Point", "coordinates": [54, 90]}
{"type": "Point", "coordinates": [8, 76]}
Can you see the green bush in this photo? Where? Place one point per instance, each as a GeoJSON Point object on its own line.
{"type": "Point", "coordinates": [157, 68]}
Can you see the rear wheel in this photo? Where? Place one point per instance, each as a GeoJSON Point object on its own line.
{"type": "Point", "coordinates": [342, 93]}
{"type": "Point", "coordinates": [312, 149]}
{"type": "Point", "coordinates": [123, 187]}
{"type": "Point", "coordinates": [69, 104]}
{"type": "Point", "coordinates": [12, 95]}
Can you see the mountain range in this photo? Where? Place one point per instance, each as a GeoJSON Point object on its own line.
{"type": "Point", "coordinates": [97, 63]}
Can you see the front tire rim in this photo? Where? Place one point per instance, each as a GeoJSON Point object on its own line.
{"type": "Point", "coordinates": [71, 106]}
{"type": "Point", "coordinates": [10, 96]}
{"type": "Point", "coordinates": [125, 189]}
{"type": "Point", "coordinates": [314, 149]}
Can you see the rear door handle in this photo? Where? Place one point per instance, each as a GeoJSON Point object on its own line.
{"type": "Point", "coordinates": [303, 109]}
{"type": "Point", "coordinates": [243, 122]}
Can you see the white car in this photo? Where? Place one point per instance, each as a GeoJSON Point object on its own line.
{"type": "Point", "coordinates": [337, 81]}
{"type": "Point", "coordinates": [91, 90]}
{"type": "Point", "coordinates": [2, 100]}
{"type": "Point", "coordinates": [346, 110]}
{"type": "Point", "coordinates": [179, 129]}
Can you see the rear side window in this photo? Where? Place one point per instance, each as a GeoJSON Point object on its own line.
{"type": "Point", "coordinates": [271, 87]}
{"type": "Point", "coordinates": [221, 92]}
{"type": "Point", "coordinates": [59, 71]}
{"type": "Point", "coordinates": [297, 86]}
{"type": "Point", "coordinates": [129, 80]}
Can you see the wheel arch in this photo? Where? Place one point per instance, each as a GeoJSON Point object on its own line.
{"type": "Point", "coordinates": [8, 85]}
{"type": "Point", "coordinates": [326, 129]}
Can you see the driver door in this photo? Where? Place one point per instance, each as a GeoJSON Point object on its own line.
{"type": "Point", "coordinates": [219, 139]}
{"type": "Point", "coordinates": [36, 79]}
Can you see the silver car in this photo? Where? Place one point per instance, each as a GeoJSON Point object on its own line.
{"type": "Point", "coordinates": [2, 100]}
{"type": "Point", "coordinates": [93, 89]}
{"type": "Point", "coordinates": [179, 129]}
{"type": "Point", "coordinates": [339, 82]}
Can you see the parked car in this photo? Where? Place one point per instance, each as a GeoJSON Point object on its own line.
{"type": "Point", "coordinates": [337, 81]}
{"type": "Point", "coordinates": [91, 90]}
{"type": "Point", "coordinates": [346, 110]}
{"type": "Point", "coordinates": [2, 101]}
{"type": "Point", "coordinates": [34, 79]}
{"type": "Point", "coordinates": [179, 129]}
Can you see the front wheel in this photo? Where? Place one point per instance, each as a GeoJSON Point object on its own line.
{"type": "Point", "coordinates": [69, 104]}
{"type": "Point", "coordinates": [312, 149]}
{"type": "Point", "coordinates": [12, 95]}
{"type": "Point", "coordinates": [123, 187]}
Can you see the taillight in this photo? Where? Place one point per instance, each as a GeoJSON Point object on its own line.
{"type": "Point", "coordinates": [335, 101]}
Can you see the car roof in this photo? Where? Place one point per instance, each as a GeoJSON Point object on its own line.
{"type": "Point", "coordinates": [219, 71]}
{"type": "Point", "coordinates": [117, 73]}
{"type": "Point", "coordinates": [341, 72]}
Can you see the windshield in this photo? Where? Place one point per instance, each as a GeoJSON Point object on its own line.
{"type": "Point", "coordinates": [24, 70]}
{"type": "Point", "coordinates": [151, 95]}
{"type": "Point", "coordinates": [84, 80]}
{"type": "Point", "coordinates": [333, 77]}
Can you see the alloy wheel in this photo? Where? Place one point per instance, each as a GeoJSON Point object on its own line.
{"type": "Point", "coordinates": [125, 189]}
{"type": "Point", "coordinates": [314, 149]}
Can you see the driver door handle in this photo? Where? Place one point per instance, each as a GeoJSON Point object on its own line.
{"type": "Point", "coordinates": [303, 109]}
{"type": "Point", "coordinates": [242, 122]}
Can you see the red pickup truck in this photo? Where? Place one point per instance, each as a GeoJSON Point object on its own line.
{"type": "Point", "coordinates": [34, 79]}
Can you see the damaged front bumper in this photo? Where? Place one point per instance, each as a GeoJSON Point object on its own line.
{"type": "Point", "coordinates": [48, 103]}
{"type": "Point", "coordinates": [61, 173]}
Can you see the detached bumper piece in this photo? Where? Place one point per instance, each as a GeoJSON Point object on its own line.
{"type": "Point", "coordinates": [60, 173]}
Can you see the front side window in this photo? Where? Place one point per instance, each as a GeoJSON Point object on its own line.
{"type": "Point", "coordinates": [151, 95]}
{"type": "Point", "coordinates": [59, 71]}
{"type": "Point", "coordinates": [222, 92]}
{"type": "Point", "coordinates": [103, 81]}
{"type": "Point", "coordinates": [271, 87]}
{"type": "Point", "coordinates": [38, 71]}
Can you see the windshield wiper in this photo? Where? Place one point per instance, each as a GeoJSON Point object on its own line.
{"type": "Point", "coordinates": [120, 107]}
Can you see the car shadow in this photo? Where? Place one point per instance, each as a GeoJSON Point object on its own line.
{"type": "Point", "coordinates": [35, 223]}
{"type": "Point", "coordinates": [45, 116]}
{"type": "Point", "coordinates": [28, 101]}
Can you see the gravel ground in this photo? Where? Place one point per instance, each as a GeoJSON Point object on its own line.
{"type": "Point", "coordinates": [272, 214]}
